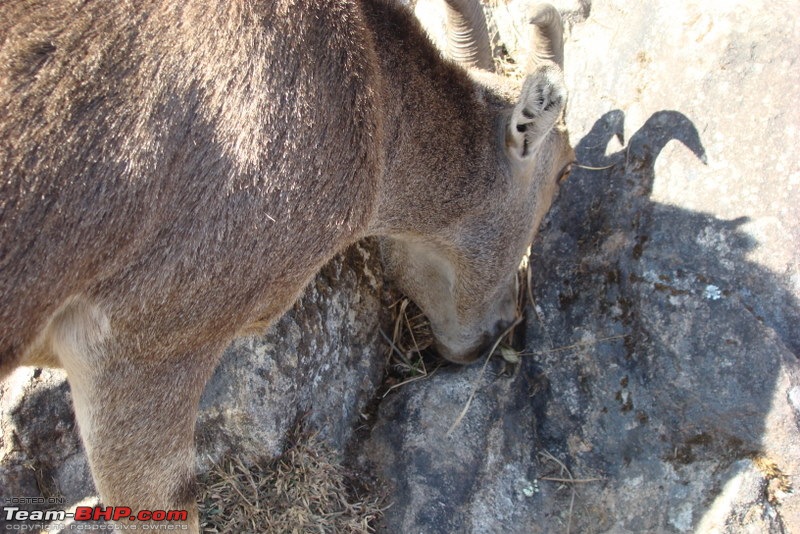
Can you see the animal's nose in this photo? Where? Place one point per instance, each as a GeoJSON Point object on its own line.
{"type": "Point", "coordinates": [497, 317]}
{"type": "Point", "coordinates": [464, 357]}
{"type": "Point", "coordinates": [481, 348]}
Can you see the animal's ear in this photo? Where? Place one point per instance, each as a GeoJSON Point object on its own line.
{"type": "Point", "coordinates": [539, 107]}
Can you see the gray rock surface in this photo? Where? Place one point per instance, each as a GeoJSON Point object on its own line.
{"type": "Point", "coordinates": [662, 355]}
{"type": "Point", "coordinates": [320, 363]}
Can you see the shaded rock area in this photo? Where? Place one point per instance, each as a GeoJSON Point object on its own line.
{"type": "Point", "coordinates": [661, 367]}
{"type": "Point", "coordinates": [261, 389]}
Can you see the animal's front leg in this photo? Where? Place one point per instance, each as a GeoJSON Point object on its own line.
{"type": "Point", "coordinates": [136, 413]}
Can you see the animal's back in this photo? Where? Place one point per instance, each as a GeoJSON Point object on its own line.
{"type": "Point", "coordinates": [185, 165]}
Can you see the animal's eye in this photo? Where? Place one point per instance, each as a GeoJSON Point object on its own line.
{"type": "Point", "coordinates": [562, 177]}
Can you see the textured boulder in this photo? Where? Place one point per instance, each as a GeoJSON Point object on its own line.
{"type": "Point", "coordinates": [320, 363]}
{"type": "Point", "coordinates": [661, 366]}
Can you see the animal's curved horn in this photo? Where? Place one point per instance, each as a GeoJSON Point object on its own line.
{"type": "Point", "coordinates": [548, 36]}
{"type": "Point", "coordinates": [467, 35]}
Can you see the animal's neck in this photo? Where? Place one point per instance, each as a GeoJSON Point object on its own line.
{"type": "Point", "coordinates": [434, 129]}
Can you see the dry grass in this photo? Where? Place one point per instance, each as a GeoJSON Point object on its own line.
{"type": "Point", "coordinates": [305, 490]}
{"type": "Point", "coordinates": [778, 482]}
{"type": "Point", "coordinates": [408, 346]}
{"type": "Point", "coordinates": [411, 336]}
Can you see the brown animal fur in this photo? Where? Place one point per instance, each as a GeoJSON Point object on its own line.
{"type": "Point", "coordinates": [175, 172]}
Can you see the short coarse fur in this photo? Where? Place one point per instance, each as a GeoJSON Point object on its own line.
{"type": "Point", "coordinates": [167, 137]}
